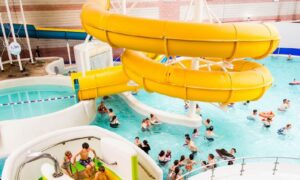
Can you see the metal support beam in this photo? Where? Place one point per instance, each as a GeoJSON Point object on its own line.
{"type": "Point", "coordinates": [69, 53]}
{"type": "Point", "coordinates": [13, 32]}
{"type": "Point", "coordinates": [5, 39]}
{"type": "Point", "coordinates": [26, 31]}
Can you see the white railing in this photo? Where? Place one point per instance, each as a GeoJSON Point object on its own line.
{"type": "Point", "coordinates": [273, 161]}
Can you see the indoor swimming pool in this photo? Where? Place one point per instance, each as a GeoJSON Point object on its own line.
{"type": "Point", "coordinates": [250, 138]}
{"type": "Point", "coordinates": [29, 101]}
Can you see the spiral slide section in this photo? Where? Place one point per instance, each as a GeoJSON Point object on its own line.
{"type": "Point", "coordinates": [246, 81]}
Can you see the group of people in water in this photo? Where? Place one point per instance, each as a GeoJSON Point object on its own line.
{"type": "Point", "coordinates": [267, 118]}
{"type": "Point", "coordinates": [148, 122]}
{"type": "Point", "coordinates": [90, 170]}
{"type": "Point", "coordinates": [113, 120]}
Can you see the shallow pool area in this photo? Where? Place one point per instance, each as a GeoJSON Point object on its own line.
{"type": "Point", "coordinates": [29, 101]}
{"type": "Point", "coordinates": [250, 138]}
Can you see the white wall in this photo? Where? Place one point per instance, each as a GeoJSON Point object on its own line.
{"type": "Point", "coordinates": [290, 34]}
{"type": "Point", "coordinates": [14, 133]}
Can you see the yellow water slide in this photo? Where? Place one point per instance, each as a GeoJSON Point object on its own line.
{"type": "Point", "coordinates": [247, 80]}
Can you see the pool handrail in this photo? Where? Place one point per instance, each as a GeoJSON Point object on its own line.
{"type": "Point", "coordinates": [39, 155]}
{"type": "Point", "coordinates": [242, 165]}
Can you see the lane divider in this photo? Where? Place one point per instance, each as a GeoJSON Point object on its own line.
{"type": "Point", "coordinates": [37, 100]}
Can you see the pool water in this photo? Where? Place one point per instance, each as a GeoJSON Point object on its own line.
{"type": "Point", "coordinates": [231, 126]}
{"type": "Point", "coordinates": [25, 94]}
{"type": "Point", "coordinates": [2, 161]}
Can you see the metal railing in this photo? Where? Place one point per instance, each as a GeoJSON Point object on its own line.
{"type": "Point", "coordinates": [70, 140]}
{"type": "Point", "coordinates": [40, 155]}
{"type": "Point", "coordinates": [211, 167]}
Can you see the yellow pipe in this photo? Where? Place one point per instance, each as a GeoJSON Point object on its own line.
{"type": "Point", "coordinates": [247, 81]}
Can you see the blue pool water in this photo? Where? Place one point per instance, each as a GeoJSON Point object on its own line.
{"type": "Point", "coordinates": [31, 93]}
{"type": "Point", "coordinates": [232, 127]}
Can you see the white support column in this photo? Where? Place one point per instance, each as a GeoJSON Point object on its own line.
{"type": "Point", "coordinates": [86, 53]}
{"type": "Point", "coordinates": [1, 65]}
{"type": "Point", "coordinates": [13, 32]}
{"type": "Point", "coordinates": [81, 54]}
{"type": "Point", "coordinates": [26, 31]}
{"type": "Point", "coordinates": [192, 108]}
{"type": "Point", "coordinates": [5, 40]}
{"type": "Point", "coordinates": [69, 53]}
{"type": "Point", "coordinates": [198, 11]}
{"type": "Point", "coordinates": [124, 8]}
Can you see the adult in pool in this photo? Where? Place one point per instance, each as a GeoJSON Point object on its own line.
{"type": "Point", "coordinates": [207, 123]}
{"type": "Point", "coordinates": [190, 163]}
{"type": "Point", "coordinates": [162, 158]}
{"type": "Point", "coordinates": [209, 134]}
{"type": "Point", "coordinates": [102, 108]}
{"type": "Point", "coordinates": [267, 122]}
{"type": "Point", "coordinates": [253, 116]}
{"type": "Point", "coordinates": [114, 123]}
{"type": "Point", "coordinates": [191, 145]}
{"type": "Point", "coordinates": [285, 105]}
{"type": "Point", "coordinates": [284, 130]}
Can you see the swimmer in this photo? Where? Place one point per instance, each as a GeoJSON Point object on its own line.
{"type": "Point", "coordinates": [207, 123]}
{"type": "Point", "coordinates": [195, 133]}
{"type": "Point", "coordinates": [211, 161]}
{"type": "Point", "coordinates": [209, 134]}
{"type": "Point", "coordinates": [182, 161]}
{"type": "Point", "coordinates": [146, 124]}
{"type": "Point", "coordinates": [176, 174]}
{"type": "Point", "coordinates": [285, 105]}
{"type": "Point", "coordinates": [114, 123]}
{"type": "Point", "coordinates": [289, 57]}
{"type": "Point", "coordinates": [231, 105]}
{"type": "Point", "coordinates": [162, 158]}
{"type": "Point", "coordinates": [85, 160]}
{"type": "Point", "coordinates": [102, 108]}
{"type": "Point", "coordinates": [137, 142]}
{"type": "Point", "coordinates": [172, 168]}
{"type": "Point", "coordinates": [168, 155]}
{"type": "Point", "coordinates": [190, 163]}
{"type": "Point", "coordinates": [154, 119]}
{"type": "Point", "coordinates": [110, 113]}
{"type": "Point", "coordinates": [284, 130]}
{"type": "Point", "coordinates": [253, 116]}
{"type": "Point", "coordinates": [246, 103]}
{"type": "Point", "coordinates": [204, 165]}
{"type": "Point", "coordinates": [267, 122]}
{"type": "Point", "coordinates": [146, 147]}
{"type": "Point", "coordinates": [193, 148]}
{"type": "Point", "coordinates": [186, 104]}
{"type": "Point", "coordinates": [198, 110]}
{"type": "Point", "coordinates": [186, 139]}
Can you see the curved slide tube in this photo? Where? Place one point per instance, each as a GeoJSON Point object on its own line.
{"type": "Point", "coordinates": [247, 81]}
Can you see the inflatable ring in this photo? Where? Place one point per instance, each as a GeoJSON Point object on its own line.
{"type": "Point", "coordinates": [267, 114]}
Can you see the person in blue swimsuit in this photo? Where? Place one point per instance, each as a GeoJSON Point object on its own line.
{"type": "Point", "coordinates": [284, 130]}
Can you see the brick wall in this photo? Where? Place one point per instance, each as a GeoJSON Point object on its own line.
{"type": "Point", "coordinates": [66, 14]}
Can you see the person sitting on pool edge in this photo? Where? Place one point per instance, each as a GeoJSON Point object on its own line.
{"type": "Point", "coordinates": [102, 108]}
{"type": "Point", "coordinates": [114, 123]}
{"type": "Point", "coordinates": [253, 116]}
{"type": "Point", "coordinates": [101, 174]}
{"type": "Point", "coordinates": [284, 130]}
{"type": "Point", "coordinates": [285, 105]}
{"type": "Point", "coordinates": [85, 160]}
